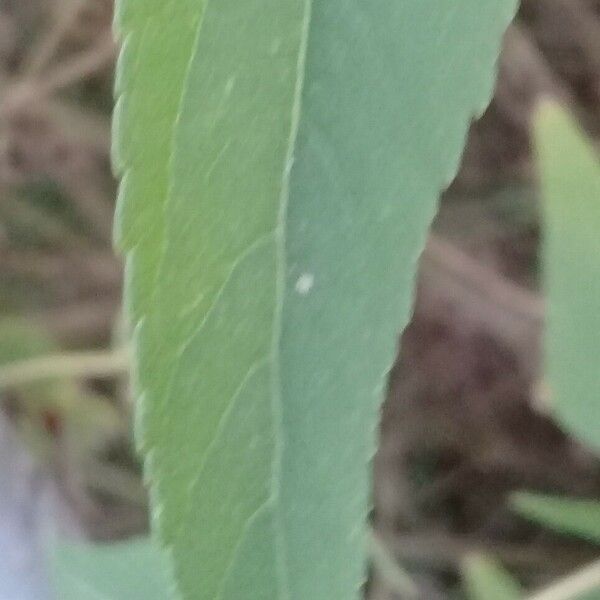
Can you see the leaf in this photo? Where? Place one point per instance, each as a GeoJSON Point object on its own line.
{"type": "Point", "coordinates": [157, 45]}
{"type": "Point", "coordinates": [485, 579]}
{"type": "Point", "coordinates": [125, 571]}
{"type": "Point", "coordinates": [303, 162]}
{"type": "Point", "coordinates": [570, 178]}
{"type": "Point", "coordinates": [576, 517]}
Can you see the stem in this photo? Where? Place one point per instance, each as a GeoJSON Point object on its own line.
{"type": "Point", "coordinates": [82, 66]}
{"type": "Point", "coordinates": [76, 364]}
{"type": "Point", "coordinates": [66, 14]}
{"type": "Point", "coordinates": [392, 573]}
{"type": "Point", "coordinates": [572, 586]}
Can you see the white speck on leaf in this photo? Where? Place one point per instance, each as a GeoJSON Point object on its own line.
{"type": "Point", "coordinates": [305, 283]}
{"type": "Point", "coordinates": [229, 86]}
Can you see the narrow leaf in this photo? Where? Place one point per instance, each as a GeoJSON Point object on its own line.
{"type": "Point", "coordinates": [575, 517]}
{"type": "Point", "coordinates": [570, 177]}
{"type": "Point", "coordinates": [485, 579]}
{"type": "Point", "coordinates": [300, 171]}
{"type": "Point", "coordinates": [133, 570]}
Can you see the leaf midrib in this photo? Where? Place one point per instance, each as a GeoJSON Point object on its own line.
{"type": "Point", "coordinates": [281, 265]}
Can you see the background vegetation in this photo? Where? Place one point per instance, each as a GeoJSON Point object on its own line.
{"type": "Point", "coordinates": [466, 421]}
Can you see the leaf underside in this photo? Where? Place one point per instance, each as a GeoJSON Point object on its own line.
{"type": "Point", "coordinates": [570, 178]}
{"type": "Point", "coordinates": [281, 164]}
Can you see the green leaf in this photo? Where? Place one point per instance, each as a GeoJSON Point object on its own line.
{"type": "Point", "coordinates": [575, 517]}
{"type": "Point", "coordinates": [570, 177]}
{"type": "Point", "coordinates": [302, 165]}
{"type": "Point", "coordinates": [485, 579]}
{"type": "Point", "coordinates": [157, 40]}
{"type": "Point", "coordinates": [124, 571]}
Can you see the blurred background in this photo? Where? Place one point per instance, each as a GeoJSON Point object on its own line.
{"type": "Point", "coordinates": [466, 420]}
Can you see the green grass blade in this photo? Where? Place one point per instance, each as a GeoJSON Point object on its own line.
{"type": "Point", "coordinates": [485, 579]}
{"type": "Point", "coordinates": [575, 517]}
{"type": "Point", "coordinates": [570, 178]}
